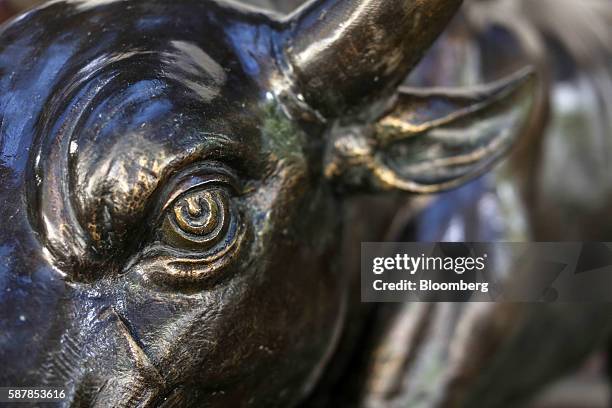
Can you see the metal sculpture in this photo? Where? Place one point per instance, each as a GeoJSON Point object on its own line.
{"type": "Point", "coordinates": [172, 179]}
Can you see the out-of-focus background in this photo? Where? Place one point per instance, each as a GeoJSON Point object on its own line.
{"type": "Point", "coordinates": [557, 185]}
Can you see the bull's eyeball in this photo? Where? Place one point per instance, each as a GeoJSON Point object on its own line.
{"type": "Point", "coordinates": [200, 218]}
{"type": "Point", "coordinates": [200, 231]}
{"type": "Point", "coordinates": [199, 214]}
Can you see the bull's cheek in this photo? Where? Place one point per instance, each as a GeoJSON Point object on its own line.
{"type": "Point", "coordinates": [275, 326]}
{"type": "Point", "coordinates": [297, 304]}
{"type": "Point", "coordinates": [266, 330]}
{"type": "Point", "coordinates": [277, 336]}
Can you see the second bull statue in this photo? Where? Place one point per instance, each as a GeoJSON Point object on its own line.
{"type": "Point", "coordinates": [172, 176]}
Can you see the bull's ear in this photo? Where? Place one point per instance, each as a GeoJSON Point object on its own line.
{"type": "Point", "coordinates": [432, 140]}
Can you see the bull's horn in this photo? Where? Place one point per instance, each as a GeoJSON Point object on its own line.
{"type": "Point", "coordinates": [343, 54]}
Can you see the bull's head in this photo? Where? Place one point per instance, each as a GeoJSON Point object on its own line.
{"type": "Point", "coordinates": [171, 179]}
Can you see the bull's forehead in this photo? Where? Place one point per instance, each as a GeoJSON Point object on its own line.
{"type": "Point", "coordinates": [47, 53]}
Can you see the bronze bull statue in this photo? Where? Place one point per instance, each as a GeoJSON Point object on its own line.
{"type": "Point", "coordinates": [173, 178]}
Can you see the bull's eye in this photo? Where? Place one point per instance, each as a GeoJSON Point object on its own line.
{"type": "Point", "coordinates": [201, 217]}
{"type": "Point", "coordinates": [200, 231]}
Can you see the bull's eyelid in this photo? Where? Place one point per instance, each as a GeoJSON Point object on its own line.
{"type": "Point", "coordinates": [195, 183]}
{"type": "Point", "coordinates": [197, 176]}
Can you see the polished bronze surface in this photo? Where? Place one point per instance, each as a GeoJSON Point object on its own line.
{"type": "Point", "coordinates": [172, 183]}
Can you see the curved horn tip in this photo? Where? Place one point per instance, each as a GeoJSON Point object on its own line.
{"type": "Point", "coordinates": [346, 54]}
